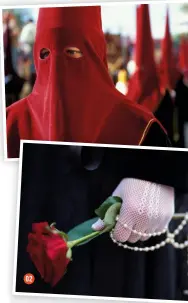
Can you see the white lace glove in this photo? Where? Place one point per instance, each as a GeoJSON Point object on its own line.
{"type": "Point", "coordinates": [147, 208]}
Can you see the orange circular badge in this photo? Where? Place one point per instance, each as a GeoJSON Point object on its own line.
{"type": "Point", "coordinates": [29, 279]}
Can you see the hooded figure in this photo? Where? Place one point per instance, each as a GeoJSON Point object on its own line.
{"type": "Point", "coordinates": [169, 75]}
{"type": "Point", "coordinates": [144, 87]}
{"type": "Point", "coordinates": [74, 98]}
{"type": "Point", "coordinates": [169, 72]}
{"type": "Point", "coordinates": [13, 83]}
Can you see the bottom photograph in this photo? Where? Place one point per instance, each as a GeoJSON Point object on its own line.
{"type": "Point", "coordinates": [102, 221]}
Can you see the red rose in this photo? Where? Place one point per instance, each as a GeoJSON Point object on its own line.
{"type": "Point", "coordinates": [48, 251]}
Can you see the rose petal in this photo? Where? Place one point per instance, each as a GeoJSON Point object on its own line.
{"type": "Point", "coordinates": [40, 227]}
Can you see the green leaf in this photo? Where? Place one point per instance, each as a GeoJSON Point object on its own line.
{"type": "Point", "coordinates": [101, 211]}
{"type": "Point", "coordinates": [82, 230]}
{"type": "Point", "coordinates": [110, 216]}
{"type": "Point", "coordinates": [107, 212]}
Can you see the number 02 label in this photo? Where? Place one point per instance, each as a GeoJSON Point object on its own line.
{"type": "Point", "coordinates": [29, 279]}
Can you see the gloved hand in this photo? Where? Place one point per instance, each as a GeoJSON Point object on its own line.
{"type": "Point", "coordinates": [147, 208]}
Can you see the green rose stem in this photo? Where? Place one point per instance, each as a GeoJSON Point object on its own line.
{"type": "Point", "coordinates": [71, 244]}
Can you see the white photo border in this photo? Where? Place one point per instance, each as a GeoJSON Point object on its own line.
{"type": "Point", "coordinates": [80, 297]}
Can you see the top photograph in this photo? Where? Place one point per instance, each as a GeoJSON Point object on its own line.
{"type": "Point", "coordinates": [109, 74]}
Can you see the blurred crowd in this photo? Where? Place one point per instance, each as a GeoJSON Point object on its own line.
{"type": "Point", "coordinates": [18, 56]}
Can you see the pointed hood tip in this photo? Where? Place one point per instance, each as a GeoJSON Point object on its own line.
{"type": "Point", "coordinates": [59, 17]}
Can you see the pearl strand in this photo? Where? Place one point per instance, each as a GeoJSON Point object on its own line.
{"type": "Point", "coordinates": [142, 249]}
{"type": "Point", "coordinates": [168, 240]}
{"type": "Point", "coordinates": [134, 231]}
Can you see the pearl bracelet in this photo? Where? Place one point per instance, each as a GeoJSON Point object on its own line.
{"type": "Point", "coordinates": [168, 240]}
{"type": "Point", "coordinates": [134, 231]}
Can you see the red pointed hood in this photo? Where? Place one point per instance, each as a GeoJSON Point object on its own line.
{"type": "Point", "coordinates": [72, 96]}
{"type": "Point", "coordinates": [67, 21]}
{"type": "Point", "coordinates": [169, 72]}
{"type": "Point", "coordinates": [144, 86]}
